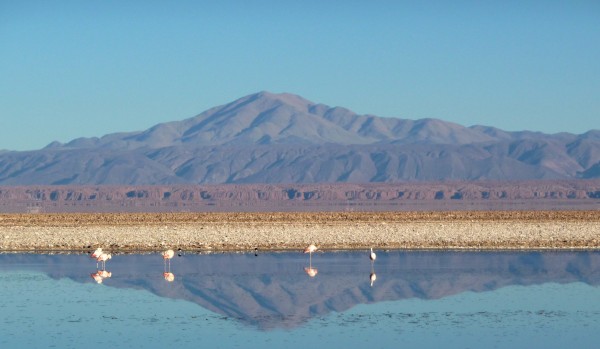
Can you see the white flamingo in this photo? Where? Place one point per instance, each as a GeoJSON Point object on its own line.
{"type": "Point", "coordinates": [372, 256]}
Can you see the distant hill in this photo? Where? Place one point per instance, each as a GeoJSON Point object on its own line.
{"type": "Point", "coordinates": [283, 138]}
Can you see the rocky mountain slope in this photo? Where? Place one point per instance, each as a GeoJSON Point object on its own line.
{"type": "Point", "coordinates": [283, 138]}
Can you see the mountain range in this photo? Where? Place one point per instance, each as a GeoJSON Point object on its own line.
{"type": "Point", "coordinates": [284, 138]}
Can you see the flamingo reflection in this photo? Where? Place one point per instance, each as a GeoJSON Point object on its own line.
{"type": "Point", "coordinates": [169, 276]}
{"type": "Point", "coordinates": [100, 275]}
{"type": "Point", "coordinates": [312, 272]}
{"type": "Point", "coordinates": [167, 256]}
{"type": "Point", "coordinates": [96, 277]}
{"type": "Point", "coordinates": [372, 278]}
{"type": "Point", "coordinates": [104, 274]}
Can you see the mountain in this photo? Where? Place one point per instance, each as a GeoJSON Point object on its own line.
{"type": "Point", "coordinates": [284, 138]}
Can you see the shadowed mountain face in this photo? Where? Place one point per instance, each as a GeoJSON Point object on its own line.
{"type": "Point", "coordinates": [273, 291]}
{"type": "Point", "coordinates": [283, 138]}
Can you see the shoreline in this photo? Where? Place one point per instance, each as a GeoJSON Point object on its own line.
{"type": "Point", "coordinates": [216, 232]}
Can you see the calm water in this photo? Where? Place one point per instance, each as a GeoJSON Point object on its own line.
{"type": "Point", "coordinates": [419, 299]}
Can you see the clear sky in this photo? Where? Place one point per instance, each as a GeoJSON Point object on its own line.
{"type": "Point", "coordinates": [88, 68]}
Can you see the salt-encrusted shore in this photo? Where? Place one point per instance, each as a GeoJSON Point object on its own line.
{"type": "Point", "coordinates": [281, 231]}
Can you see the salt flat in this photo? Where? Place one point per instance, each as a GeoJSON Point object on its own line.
{"type": "Point", "coordinates": [331, 230]}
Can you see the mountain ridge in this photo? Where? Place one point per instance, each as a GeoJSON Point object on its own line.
{"type": "Point", "coordinates": [284, 138]}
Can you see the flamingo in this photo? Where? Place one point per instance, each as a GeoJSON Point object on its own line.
{"type": "Point", "coordinates": [169, 276]}
{"type": "Point", "coordinates": [103, 258]}
{"type": "Point", "coordinates": [372, 256]}
{"type": "Point", "coordinates": [167, 255]}
{"type": "Point", "coordinates": [96, 253]}
{"type": "Point", "coordinates": [310, 249]}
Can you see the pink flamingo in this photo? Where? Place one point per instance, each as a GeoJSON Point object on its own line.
{"type": "Point", "coordinates": [310, 249]}
{"type": "Point", "coordinates": [96, 253]}
{"type": "Point", "coordinates": [167, 255]}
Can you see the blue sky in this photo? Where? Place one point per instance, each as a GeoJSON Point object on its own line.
{"type": "Point", "coordinates": [88, 68]}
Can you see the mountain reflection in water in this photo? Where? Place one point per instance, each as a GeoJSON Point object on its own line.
{"type": "Point", "coordinates": [272, 290]}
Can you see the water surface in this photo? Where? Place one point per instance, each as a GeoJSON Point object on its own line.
{"type": "Point", "coordinates": [425, 299]}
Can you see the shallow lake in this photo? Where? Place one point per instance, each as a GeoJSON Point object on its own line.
{"type": "Point", "coordinates": [417, 299]}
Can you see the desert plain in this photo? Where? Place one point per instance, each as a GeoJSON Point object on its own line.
{"type": "Point", "coordinates": [477, 230]}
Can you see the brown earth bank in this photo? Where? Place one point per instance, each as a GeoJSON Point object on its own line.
{"type": "Point", "coordinates": [405, 196]}
{"type": "Point", "coordinates": [120, 232]}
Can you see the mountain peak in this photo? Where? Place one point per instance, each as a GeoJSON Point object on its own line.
{"type": "Point", "coordinates": [268, 99]}
{"type": "Point", "coordinates": [283, 96]}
